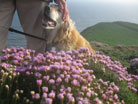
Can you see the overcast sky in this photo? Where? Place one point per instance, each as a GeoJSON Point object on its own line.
{"type": "Point", "coordinates": [117, 1]}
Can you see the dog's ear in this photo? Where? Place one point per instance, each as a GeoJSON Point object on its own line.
{"type": "Point", "coordinates": [68, 26]}
{"type": "Point", "coordinates": [65, 30]}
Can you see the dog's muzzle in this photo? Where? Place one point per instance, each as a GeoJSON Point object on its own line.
{"type": "Point", "coordinates": [47, 21]}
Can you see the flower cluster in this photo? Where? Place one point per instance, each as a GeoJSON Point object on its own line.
{"type": "Point", "coordinates": [116, 67]}
{"type": "Point", "coordinates": [134, 62]}
{"type": "Point", "coordinates": [58, 77]}
{"type": "Point", "coordinates": [133, 66]}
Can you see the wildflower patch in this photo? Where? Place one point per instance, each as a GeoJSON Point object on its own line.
{"type": "Point", "coordinates": [58, 78]}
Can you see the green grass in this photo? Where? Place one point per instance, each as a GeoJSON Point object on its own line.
{"type": "Point", "coordinates": [113, 33]}
{"type": "Point", "coordinates": [0, 53]}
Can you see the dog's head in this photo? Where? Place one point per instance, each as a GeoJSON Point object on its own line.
{"type": "Point", "coordinates": [52, 22]}
{"type": "Point", "coordinates": [52, 17]}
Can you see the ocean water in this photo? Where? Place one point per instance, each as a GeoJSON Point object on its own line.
{"type": "Point", "coordinates": [85, 14]}
{"type": "Point", "coordinates": [14, 39]}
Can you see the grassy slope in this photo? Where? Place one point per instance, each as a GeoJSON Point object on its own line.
{"type": "Point", "coordinates": [113, 33]}
{"type": "Point", "coordinates": [123, 54]}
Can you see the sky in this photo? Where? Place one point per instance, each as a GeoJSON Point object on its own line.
{"type": "Point", "coordinates": [113, 1]}
{"type": "Point", "coordinates": [123, 1]}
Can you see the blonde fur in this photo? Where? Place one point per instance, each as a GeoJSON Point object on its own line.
{"type": "Point", "coordinates": [64, 36]}
{"type": "Point", "coordinates": [67, 38]}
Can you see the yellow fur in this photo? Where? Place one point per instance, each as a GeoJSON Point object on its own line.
{"type": "Point", "coordinates": [65, 36]}
{"type": "Point", "coordinates": [68, 38]}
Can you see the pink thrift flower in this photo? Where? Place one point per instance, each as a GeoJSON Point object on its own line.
{"type": "Point", "coordinates": [48, 101]}
{"type": "Point", "coordinates": [51, 81]}
{"type": "Point", "coordinates": [52, 95]}
{"type": "Point", "coordinates": [74, 82]}
{"type": "Point", "coordinates": [45, 89]}
{"type": "Point", "coordinates": [37, 96]}
{"type": "Point", "coordinates": [44, 95]}
{"type": "Point", "coordinates": [71, 99]}
{"type": "Point", "coordinates": [39, 82]}
{"type": "Point", "coordinates": [115, 97]}
{"type": "Point", "coordinates": [61, 96]}
{"type": "Point", "coordinates": [46, 78]}
{"type": "Point", "coordinates": [116, 88]}
{"type": "Point", "coordinates": [59, 80]}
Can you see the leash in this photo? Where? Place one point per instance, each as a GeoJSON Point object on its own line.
{"type": "Point", "coordinates": [26, 34]}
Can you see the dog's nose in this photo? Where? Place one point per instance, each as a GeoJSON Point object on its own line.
{"type": "Point", "coordinates": [47, 9]}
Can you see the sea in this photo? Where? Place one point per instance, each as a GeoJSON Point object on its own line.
{"type": "Point", "coordinates": [85, 14]}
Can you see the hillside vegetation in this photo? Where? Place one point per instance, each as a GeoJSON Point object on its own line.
{"type": "Point", "coordinates": [113, 33]}
{"type": "Point", "coordinates": [119, 53]}
{"type": "Point", "coordinates": [74, 77]}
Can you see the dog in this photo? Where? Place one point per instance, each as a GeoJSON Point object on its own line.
{"type": "Point", "coordinates": [61, 35]}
